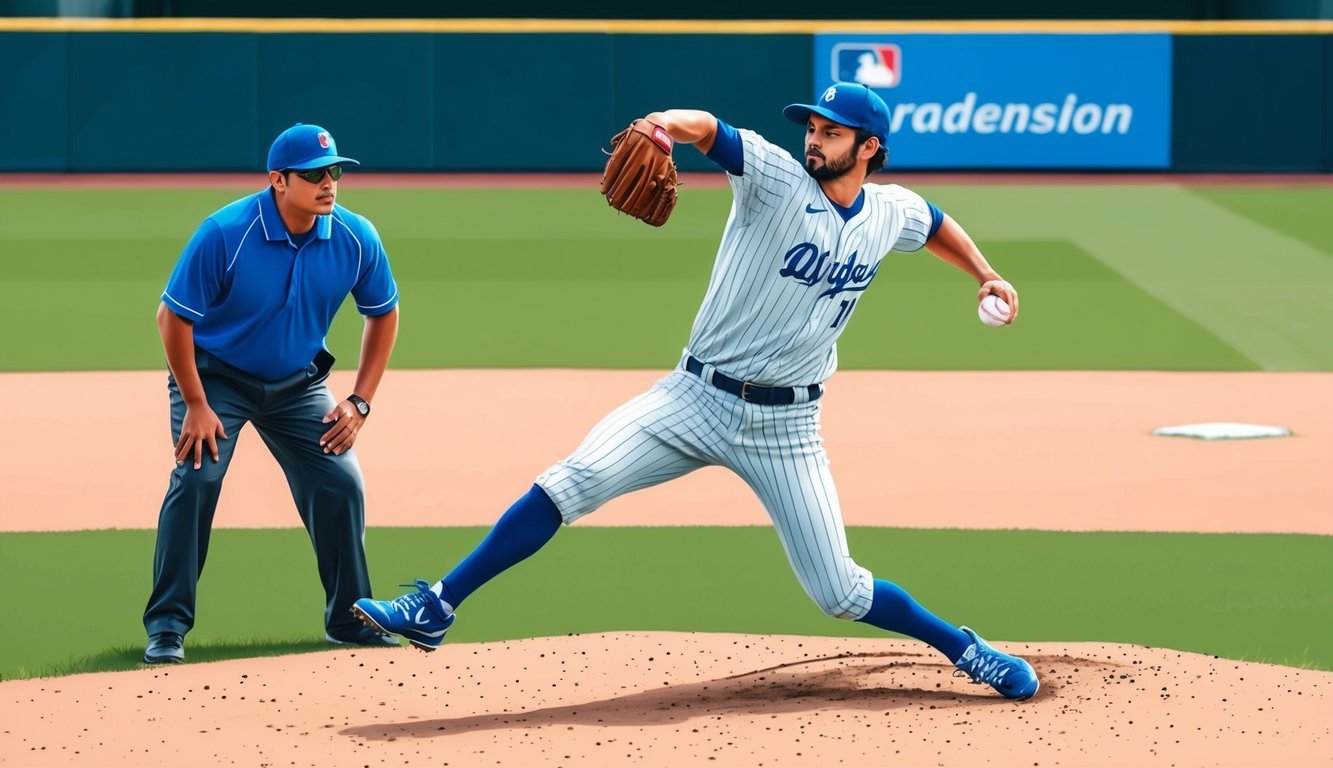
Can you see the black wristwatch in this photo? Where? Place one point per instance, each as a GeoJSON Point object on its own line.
{"type": "Point", "coordinates": [362, 407]}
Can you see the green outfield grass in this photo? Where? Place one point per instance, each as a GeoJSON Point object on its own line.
{"type": "Point", "coordinates": [77, 597]}
{"type": "Point", "coordinates": [1301, 213]}
{"type": "Point", "coordinates": [1112, 277]}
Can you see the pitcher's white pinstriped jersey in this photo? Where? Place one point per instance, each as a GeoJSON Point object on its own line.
{"type": "Point", "coordinates": [788, 273]}
{"type": "Point", "coordinates": [789, 270]}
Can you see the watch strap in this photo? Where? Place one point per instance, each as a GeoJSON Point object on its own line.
{"type": "Point", "coordinates": [362, 406]}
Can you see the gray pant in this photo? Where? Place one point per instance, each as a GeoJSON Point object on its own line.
{"type": "Point", "coordinates": [328, 490]}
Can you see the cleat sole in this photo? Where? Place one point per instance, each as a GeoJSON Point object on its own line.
{"type": "Point", "coordinates": [369, 622]}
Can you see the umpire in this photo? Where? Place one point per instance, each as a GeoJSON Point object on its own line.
{"type": "Point", "coordinates": [243, 321]}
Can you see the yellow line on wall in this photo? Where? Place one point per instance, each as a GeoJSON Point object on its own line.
{"type": "Point", "coordinates": [609, 26]}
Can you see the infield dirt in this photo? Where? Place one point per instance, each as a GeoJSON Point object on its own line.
{"type": "Point", "coordinates": [665, 699]}
{"type": "Point", "coordinates": [1038, 450]}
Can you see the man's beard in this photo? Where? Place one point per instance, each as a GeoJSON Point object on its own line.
{"type": "Point", "coordinates": [831, 169]}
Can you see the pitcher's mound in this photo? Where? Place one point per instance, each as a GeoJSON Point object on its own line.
{"type": "Point", "coordinates": [674, 699]}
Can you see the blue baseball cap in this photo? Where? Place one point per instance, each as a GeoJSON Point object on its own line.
{"type": "Point", "coordinates": [303, 147]}
{"type": "Point", "coordinates": [850, 104]}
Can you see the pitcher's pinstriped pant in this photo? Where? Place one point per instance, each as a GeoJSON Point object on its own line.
{"type": "Point", "coordinates": [682, 424]}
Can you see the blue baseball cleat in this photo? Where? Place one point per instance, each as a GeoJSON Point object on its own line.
{"type": "Point", "coordinates": [418, 616]}
{"type": "Point", "coordinates": [1010, 675]}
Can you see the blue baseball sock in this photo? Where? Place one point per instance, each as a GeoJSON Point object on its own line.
{"type": "Point", "coordinates": [524, 529]}
{"type": "Point", "coordinates": [895, 610]}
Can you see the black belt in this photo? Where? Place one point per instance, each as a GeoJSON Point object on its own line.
{"type": "Point", "coordinates": [752, 393]}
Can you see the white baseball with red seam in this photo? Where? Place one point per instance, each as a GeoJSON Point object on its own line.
{"type": "Point", "coordinates": [993, 311]}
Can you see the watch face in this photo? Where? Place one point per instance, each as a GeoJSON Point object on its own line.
{"type": "Point", "coordinates": [363, 408]}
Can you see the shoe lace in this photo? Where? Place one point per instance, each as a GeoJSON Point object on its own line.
{"type": "Point", "coordinates": [987, 668]}
{"type": "Point", "coordinates": [421, 597]}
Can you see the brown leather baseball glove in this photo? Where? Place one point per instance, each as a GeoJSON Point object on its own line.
{"type": "Point", "coordinates": [640, 176]}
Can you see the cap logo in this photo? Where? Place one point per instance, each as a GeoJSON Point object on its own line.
{"type": "Point", "coordinates": [830, 93]}
{"type": "Point", "coordinates": [323, 139]}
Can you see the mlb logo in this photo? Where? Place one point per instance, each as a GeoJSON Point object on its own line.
{"type": "Point", "coordinates": [323, 139]}
{"type": "Point", "coordinates": [874, 65]}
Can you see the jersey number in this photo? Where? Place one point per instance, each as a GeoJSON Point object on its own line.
{"type": "Point", "coordinates": [843, 312]}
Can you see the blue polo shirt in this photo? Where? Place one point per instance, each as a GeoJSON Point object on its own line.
{"type": "Point", "coordinates": [263, 302]}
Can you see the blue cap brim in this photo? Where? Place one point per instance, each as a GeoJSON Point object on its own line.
{"type": "Point", "coordinates": [800, 114]}
{"type": "Point", "coordinates": [323, 161]}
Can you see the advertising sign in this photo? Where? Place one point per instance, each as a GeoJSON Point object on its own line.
{"type": "Point", "coordinates": [1013, 101]}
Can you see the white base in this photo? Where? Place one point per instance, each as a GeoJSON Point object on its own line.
{"type": "Point", "coordinates": [1222, 430]}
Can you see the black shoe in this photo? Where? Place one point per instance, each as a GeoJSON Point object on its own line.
{"type": "Point", "coordinates": [365, 637]}
{"type": "Point", "coordinates": [165, 648]}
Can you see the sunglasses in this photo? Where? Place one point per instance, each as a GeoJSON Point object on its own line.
{"type": "Point", "coordinates": [316, 175]}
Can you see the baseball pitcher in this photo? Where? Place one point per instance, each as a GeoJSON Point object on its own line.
{"type": "Point", "coordinates": [802, 244]}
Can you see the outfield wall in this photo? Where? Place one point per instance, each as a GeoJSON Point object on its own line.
{"type": "Point", "coordinates": [135, 97]}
